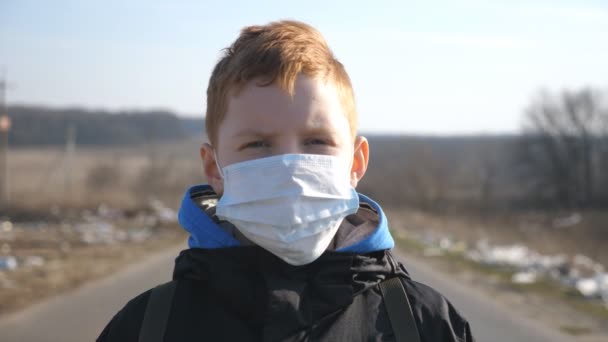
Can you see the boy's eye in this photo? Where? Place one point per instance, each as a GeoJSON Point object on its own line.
{"type": "Point", "coordinates": [316, 141]}
{"type": "Point", "coordinates": [255, 144]}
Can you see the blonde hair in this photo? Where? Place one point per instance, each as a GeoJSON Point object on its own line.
{"type": "Point", "coordinates": [275, 53]}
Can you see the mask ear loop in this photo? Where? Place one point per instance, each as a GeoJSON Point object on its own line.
{"type": "Point", "coordinates": [217, 163]}
{"type": "Point", "coordinates": [352, 162]}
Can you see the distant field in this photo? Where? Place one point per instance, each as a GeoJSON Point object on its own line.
{"type": "Point", "coordinates": [116, 175]}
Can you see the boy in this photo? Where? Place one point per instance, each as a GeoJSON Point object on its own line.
{"type": "Point", "coordinates": [282, 248]}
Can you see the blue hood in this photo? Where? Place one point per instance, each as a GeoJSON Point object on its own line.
{"type": "Point", "coordinates": [205, 233]}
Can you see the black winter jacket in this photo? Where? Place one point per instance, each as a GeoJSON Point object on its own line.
{"type": "Point", "coordinates": [247, 294]}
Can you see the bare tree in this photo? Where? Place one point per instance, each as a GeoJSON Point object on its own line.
{"type": "Point", "coordinates": [428, 179]}
{"type": "Point", "coordinates": [563, 135]}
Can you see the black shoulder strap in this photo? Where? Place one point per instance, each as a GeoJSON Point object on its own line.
{"type": "Point", "coordinates": [399, 310]}
{"type": "Point", "coordinates": [157, 313]}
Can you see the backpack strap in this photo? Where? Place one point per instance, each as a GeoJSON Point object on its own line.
{"type": "Point", "coordinates": [399, 310]}
{"type": "Point", "coordinates": [157, 313]}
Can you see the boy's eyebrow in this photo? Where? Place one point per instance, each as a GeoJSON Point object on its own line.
{"type": "Point", "coordinates": [250, 132]}
{"type": "Point", "coordinates": [322, 130]}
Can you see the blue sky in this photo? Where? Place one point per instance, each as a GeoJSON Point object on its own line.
{"type": "Point", "coordinates": [439, 67]}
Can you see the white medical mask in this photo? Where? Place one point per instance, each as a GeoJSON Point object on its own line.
{"type": "Point", "coordinates": [292, 205]}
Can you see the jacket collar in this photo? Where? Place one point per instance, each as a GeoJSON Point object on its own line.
{"type": "Point", "coordinates": [207, 234]}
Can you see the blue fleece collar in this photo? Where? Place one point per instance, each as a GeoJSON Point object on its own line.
{"type": "Point", "coordinates": [205, 233]}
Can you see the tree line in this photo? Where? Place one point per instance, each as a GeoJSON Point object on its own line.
{"type": "Point", "coordinates": [37, 125]}
{"type": "Point", "coordinates": [559, 160]}
{"type": "Point", "coordinates": [564, 147]}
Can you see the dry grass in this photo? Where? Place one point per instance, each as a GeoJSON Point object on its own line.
{"type": "Point", "coordinates": [43, 177]}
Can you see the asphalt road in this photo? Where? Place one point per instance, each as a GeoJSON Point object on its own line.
{"type": "Point", "coordinates": [81, 315]}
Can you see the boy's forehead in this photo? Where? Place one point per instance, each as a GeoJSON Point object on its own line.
{"type": "Point", "coordinates": [306, 89]}
{"type": "Point", "coordinates": [315, 106]}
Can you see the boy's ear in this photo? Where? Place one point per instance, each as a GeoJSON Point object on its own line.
{"type": "Point", "coordinates": [360, 160]}
{"type": "Point", "coordinates": [214, 178]}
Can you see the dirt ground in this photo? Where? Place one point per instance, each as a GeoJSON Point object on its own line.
{"type": "Point", "coordinates": [63, 262]}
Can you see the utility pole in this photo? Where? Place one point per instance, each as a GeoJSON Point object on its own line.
{"type": "Point", "coordinates": [70, 149]}
{"type": "Point", "coordinates": [5, 126]}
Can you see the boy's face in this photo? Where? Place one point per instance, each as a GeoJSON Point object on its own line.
{"type": "Point", "coordinates": [266, 121]}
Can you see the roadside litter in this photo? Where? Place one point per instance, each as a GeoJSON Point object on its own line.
{"type": "Point", "coordinates": [102, 226]}
{"type": "Point", "coordinates": [578, 273]}
{"type": "Point", "coordinates": [8, 263]}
